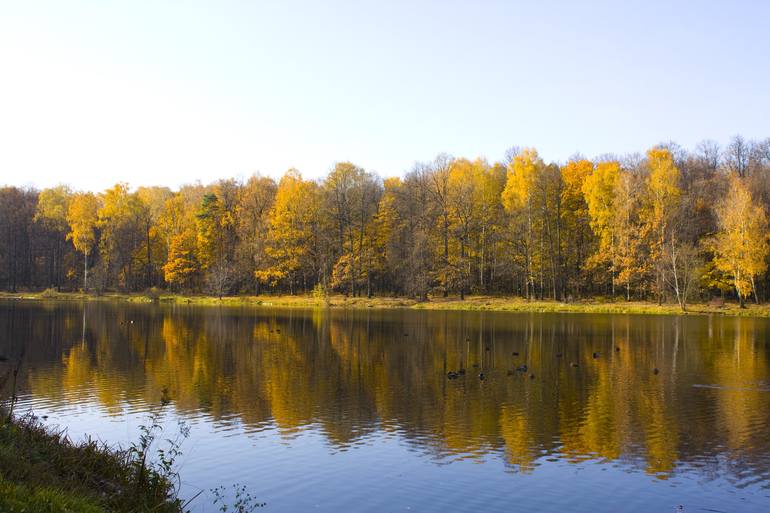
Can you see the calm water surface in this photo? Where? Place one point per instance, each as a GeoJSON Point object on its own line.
{"type": "Point", "coordinates": [352, 411]}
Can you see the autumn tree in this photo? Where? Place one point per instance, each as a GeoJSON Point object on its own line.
{"type": "Point", "coordinates": [433, 179]}
{"type": "Point", "coordinates": [661, 204]}
{"type": "Point", "coordinates": [549, 187]}
{"type": "Point", "coordinates": [51, 214]}
{"type": "Point", "coordinates": [122, 235]}
{"type": "Point", "coordinates": [154, 247]}
{"type": "Point", "coordinates": [256, 200]}
{"type": "Point", "coordinates": [182, 267]}
{"type": "Point", "coordinates": [216, 236]}
{"type": "Point", "coordinates": [293, 221]}
{"type": "Point", "coordinates": [350, 197]}
{"type": "Point", "coordinates": [741, 244]}
{"type": "Point", "coordinates": [518, 198]}
{"type": "Point", "coordinates": [628, 254]}
{"type": "Point", "coordinates": [413, 264]}
{"type": "Point", "coordinates": [177, 226]}
{"type": "Point", "coordinates": [83, 217]}
{"type": "Point", "coordinates": [578, 238]}
{"type": "Point", "coordinates": [209, 219]}
{"type": "Point", "coordinates": [599, 191]}
{"type": "Point", "coordinates": [461, 195]}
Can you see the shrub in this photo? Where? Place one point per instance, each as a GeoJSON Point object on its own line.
{"type": "Point", "coordinates": [49, 294]}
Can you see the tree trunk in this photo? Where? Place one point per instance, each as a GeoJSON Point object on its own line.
{"type": "Point", "coordinates": [462, 281]}
{"type": "Point", "coordinates": [446, 251]}
{"type": "Point", "coordinates": [149, 258]}
{"type": "Point", "coordinates": [85, 272]}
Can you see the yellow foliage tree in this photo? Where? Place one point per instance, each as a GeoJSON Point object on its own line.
{"type": "Point", "coordinates": [625, 254]}
{"type": "Point", "coordinates": [182, 265]}
{"type": "Point", "coordinates": [120, 221]}
{"type": "Point", "coordinates": [663, 196]}
{"type": "Point", "coordinates": [178, 227]}
{"type": "Point", "coordinates": [292, 222]}
{"type": "Point", "coordinates": [82, 217]}
{"type": "Point", "coordinates": [518, 198]}
{"type": "Point", "coordinates": [575, 218]}
{"type": "Point", "coordinates": [53, 207]}
{"type": "Point", "coordinates": [741, 244]}
{"type": "Point", "coordinates": [599, 192]}
{"type": "Point", "coordinates": [51, 213]}
{"type": "Point", "coordinates": [210, 220]}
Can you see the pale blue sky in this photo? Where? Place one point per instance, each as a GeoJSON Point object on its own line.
{"type": "Point", "coordinates": [167, 92]}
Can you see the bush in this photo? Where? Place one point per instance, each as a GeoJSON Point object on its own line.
{"type": "Point", "coordinates": [320, 293]}
{"type": "Point", "coordinates": [49, 294]}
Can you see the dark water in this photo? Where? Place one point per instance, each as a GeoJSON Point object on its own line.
{"type": "Point", "coordinates": [352, 410]}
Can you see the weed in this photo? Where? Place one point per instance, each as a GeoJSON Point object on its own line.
{"type": "Point", "coordinates": [244, 502]}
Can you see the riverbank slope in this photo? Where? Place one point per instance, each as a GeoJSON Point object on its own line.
{"type": "Point", "coordinates": [43, 470]}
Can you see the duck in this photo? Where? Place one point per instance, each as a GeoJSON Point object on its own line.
{"type": "Point", "coordinates": [515, 353]}
{"type": "Point", "coordinates": [452, 375]}
{"type": "Point", "coordinates": [521, 368]}
{"type": "Point", "coordinates": [531, 376]}
{"type": "Point", "coordinates": [595, 355]}
{"type": "Point", "coordinates": [617, 349]}
{"type": "Point", "coordinates": [482, 377]}
{"type": "Point", "coordinates": [573, 364]}
{"type": "Point", "coordinates": [655, 371]}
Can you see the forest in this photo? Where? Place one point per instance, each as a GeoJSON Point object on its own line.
{"type": "Point", "coordinates": [666, 225]}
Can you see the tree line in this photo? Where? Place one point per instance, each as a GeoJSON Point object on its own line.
{"type": "Point", "coordinates": [669, 224]}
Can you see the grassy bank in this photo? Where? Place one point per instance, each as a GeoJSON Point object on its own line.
{"type": "Point", "coordinates": [471, 303]}
{"type": "Point", "coordinates": [41, 470]}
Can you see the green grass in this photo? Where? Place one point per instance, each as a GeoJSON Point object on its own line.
{"type": "Point", "coordinates": [503, 304]}
{"type": "Point", "coordinates": [44, 471]}
{"type": "Point", "coordinates": [471, 303]}
{"type": "Point", "coordinates": [16, 498]}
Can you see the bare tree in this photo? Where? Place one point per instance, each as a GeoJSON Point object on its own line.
{"type": "Point", "coordinates": [682, 261]}
{"type": "Point", "coordinates": [219, 279]}
{"type": "Point", "coordinates": [708, 153]}
{"type": "Point", "coordinates": [736, 156]}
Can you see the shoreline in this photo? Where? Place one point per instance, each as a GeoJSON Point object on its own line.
{"type": "Point", "coordinates": [42, 469]}
{"type": "Point", "coordinates": [470, 303]}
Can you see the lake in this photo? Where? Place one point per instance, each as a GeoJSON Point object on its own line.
{"type": "Point", "coordinates": [352, 410]}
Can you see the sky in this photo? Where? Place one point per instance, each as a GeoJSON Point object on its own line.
{"type": "Point", "coordinates": [167, 92]}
